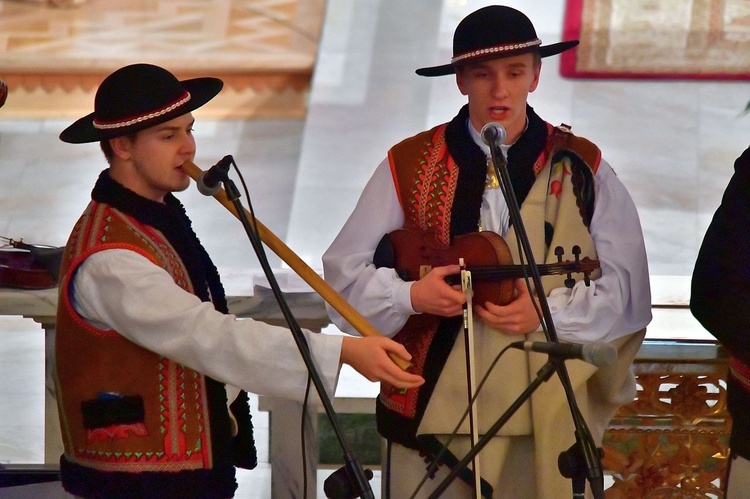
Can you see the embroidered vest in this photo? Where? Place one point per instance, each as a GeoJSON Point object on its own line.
{"type": "Point", "coordinates": [133, 422]}
{"type": "Point", "coordinates": [426, 177]}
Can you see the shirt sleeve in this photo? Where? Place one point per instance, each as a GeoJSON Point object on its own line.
{"type": "Point", "coordinates": [377, 293]}
{"type": "Point", "coordinates": [619, 302]}
{"type": "Point", "coordinates": [121, 290]}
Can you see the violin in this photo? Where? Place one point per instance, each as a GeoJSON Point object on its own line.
{"type": "Point", "coordinates": [28, 266]}
{"type": "Point", "coordinates": [485, 254]}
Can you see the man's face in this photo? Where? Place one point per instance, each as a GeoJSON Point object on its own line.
{"type": "Point", "coordinates": [149, 163]}
{"type": "Point", "coordinates": [497, 90]}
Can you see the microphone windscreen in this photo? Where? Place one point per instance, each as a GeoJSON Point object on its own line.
{"type": "Point", "coordinates": [599, 354]}
{"type": "Point", "coordinates": [204, 189]}
{"type": "Point", "coordinates": [493, 133]}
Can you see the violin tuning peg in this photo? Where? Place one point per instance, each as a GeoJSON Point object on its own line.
{"type": "Point", "coordinates": [570, 282]}
{"type": "Point", "coordinates": [576, 252]}
{"type": "Point", "coordinates": [559, 251]}
{"type": "Point", "coordinates": [587, 280]}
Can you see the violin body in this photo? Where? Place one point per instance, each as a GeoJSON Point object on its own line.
{"type": "Point", "coordinates": [26, 266]}
{"type": "Point", "coordinates": [416, 253]}
{"type": "Point", "coordinates": [485, 254]}
{"type": "Point", "coordinates": [18, 269]}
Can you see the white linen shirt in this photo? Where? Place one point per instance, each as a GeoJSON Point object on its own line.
{"type": "Point", "coordinates": [615, 305]}
{"type": "Point", "coordinates": [121, 290]}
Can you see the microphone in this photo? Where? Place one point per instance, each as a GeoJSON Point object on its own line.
{"type": "Point", "coordinates": [598, 354]}
{"type": "Point", "coordinates": [208, 181]}
{"type": "Point", "coordinates": [493, 133]}
{"type": "Point", "coordinates": [342, 485]}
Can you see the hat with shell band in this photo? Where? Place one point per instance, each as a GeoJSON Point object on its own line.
{"type": "Point", "coordinates": [491, 33]}
{"type": "Point", "coordinates": [137, 97]}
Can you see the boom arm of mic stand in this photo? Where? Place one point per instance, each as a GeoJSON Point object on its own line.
{"type": "Point", "coordinates": [583, 435]}
{"type": "Point", "coordinates": [361, 482]}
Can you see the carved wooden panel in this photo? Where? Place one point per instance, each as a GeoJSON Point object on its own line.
{"type": "Point", "coordinates": [672, 441]}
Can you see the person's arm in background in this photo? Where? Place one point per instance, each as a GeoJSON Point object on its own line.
{"type": "Point", "coordinates": [720, 290]}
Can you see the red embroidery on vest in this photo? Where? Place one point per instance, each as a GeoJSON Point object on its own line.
{"type": "Point", "coordinates": [434, 188]}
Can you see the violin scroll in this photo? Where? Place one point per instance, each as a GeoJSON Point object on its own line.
{"type": "Point", "coordinates": [584, 266]}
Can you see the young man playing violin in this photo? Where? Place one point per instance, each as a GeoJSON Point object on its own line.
{"type": "Point", "coordinates": [144, 343]}
{"type": "Point", "coordinates": [438, 182]}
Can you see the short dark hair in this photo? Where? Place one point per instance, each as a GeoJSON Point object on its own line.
{"type": "Point", "coordinates": [107, 150]}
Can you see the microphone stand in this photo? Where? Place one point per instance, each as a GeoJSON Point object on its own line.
{"type": "Point", "coordinates": [584, 440]}
{"type": "Point", "coordinates": [358, 485]}
{"type": "Point", "coordinates": [585, 447]}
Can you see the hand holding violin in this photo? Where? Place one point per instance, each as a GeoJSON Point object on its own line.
{"type": "Point", "coordinates": [520, 316]}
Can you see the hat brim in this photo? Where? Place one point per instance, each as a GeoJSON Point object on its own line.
{"type": "Point", "coordinates": [201, 91]}
{"type": "Point", "coordinates": [544, 51]}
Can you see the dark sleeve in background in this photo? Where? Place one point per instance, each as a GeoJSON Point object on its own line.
{"type": "Point", "coordinates": [720, 290]}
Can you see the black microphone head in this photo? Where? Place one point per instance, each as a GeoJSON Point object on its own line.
{"type": "Point", "coordinates": [599, 354]}
{"type": "Point", "coordinates": [493, 132]}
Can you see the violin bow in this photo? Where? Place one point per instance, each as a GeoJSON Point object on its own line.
{"type": "Point", "coordinates": [301, 268]}
{"type": "Point", "coordinates": [471, 376]}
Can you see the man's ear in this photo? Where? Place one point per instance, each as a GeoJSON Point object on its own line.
{"type": "Point", "coordinates": [121, 147]}
{"type": "Point", "coordinates": [537, 73]}
{"type": "Point", "coordinates": [460, 81]}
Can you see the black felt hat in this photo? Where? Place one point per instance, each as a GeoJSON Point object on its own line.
{"type": "Point", "coordinates": [137, 97]}
{"type": "Point", "coordinates": [493, 32]}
